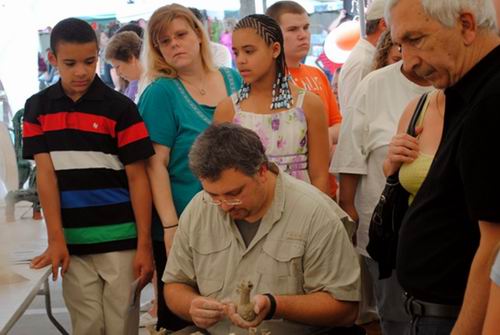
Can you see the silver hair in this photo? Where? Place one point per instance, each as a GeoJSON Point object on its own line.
{"type": "Point", "coordinates": [447, 11]}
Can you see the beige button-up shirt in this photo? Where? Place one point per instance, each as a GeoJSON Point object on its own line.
{"type": "Point", "coordinates": [300, 247]}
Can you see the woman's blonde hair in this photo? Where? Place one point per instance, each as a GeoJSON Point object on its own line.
{"type": "Point", "coordinates": [155, 64]}
{"type": "Point", "coordinates": [384, 46]}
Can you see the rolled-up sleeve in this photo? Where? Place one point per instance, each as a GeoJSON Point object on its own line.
{"type": "Point", "coordinates": [330, 262]}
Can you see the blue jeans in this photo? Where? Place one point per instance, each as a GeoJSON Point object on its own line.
{"type": "Point", "coordinates": [390, 301]}
{"type": "Point", "coordinates": [430, 326]}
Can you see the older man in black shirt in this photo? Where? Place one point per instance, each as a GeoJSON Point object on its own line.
{"type": "Point", "coordinates": [449, 232]}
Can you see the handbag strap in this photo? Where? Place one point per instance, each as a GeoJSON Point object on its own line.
{"type": "Point", "coordinates": [416, 114]}
{"type": "Point", "coordinates": [394, 178]}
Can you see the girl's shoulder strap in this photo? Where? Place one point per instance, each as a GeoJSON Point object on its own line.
{"type": "Point", "coordinates": [300, 98]}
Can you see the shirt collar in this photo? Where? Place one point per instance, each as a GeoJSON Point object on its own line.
{"type": "Point", "coordinates": [96, 90]}
{"type": "Point", "coordinates": [472, 81]}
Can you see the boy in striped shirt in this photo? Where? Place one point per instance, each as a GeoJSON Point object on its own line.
{"type": "Point", "coordinates": [90, 146]}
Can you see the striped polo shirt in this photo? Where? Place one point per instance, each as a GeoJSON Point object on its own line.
{"type": "Point", "coordinates": [89, 141]}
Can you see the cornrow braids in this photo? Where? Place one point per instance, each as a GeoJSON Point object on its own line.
{"type": "Point", "coordinates": [269, 30]}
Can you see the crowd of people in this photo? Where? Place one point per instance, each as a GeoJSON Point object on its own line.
{"type": "Point", "coordinates": [210, 176]}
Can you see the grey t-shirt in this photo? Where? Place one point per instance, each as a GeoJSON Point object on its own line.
{"type": "Point", "coordinates": [248, 230]}
{"type": "Point", "coordinates": [495, 271]}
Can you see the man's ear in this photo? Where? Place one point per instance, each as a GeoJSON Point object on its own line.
{"type": "Point", "coordinates": [261, 173]}
{"type": "Point", "coordinates": [52, 58]}
{"type": "Point", "coordinates": [382, 25]}
{"type": "Point", "coordinates": [468, 26]}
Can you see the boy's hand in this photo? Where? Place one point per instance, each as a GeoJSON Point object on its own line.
{"type": "Point", "coordinates": [143, 265]}
{"type": "Point", "coordinates": [59, 256]}
{"type": "Point", "coordinates": [41, 261]}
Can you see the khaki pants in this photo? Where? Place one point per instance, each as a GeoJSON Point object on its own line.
{"type": "Point", "coordinates": [96, 289]}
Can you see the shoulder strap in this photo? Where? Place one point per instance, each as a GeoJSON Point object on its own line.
{"type": "Point", "coordinates": [421, 118]}
{"type": "Point", "coordinates": [300, 98]}
{"type": "Point", "coordinates": [416, 114]}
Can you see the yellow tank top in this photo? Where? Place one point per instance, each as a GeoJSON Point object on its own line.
{"type": "Point", "coordinates": [412, 175]}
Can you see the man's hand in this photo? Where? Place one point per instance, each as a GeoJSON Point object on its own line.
{"type": "Point", "coordinates": [143, 265]}
{"type": "Point", "coordinates": [261, 308]}
{"type": "Point", "coordinates": [206, 312]}
{"type": "Point", "coordinates": [56, 254]}
{"type": "Point", "coordinates": [41, 261]}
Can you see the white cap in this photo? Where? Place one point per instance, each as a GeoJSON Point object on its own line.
{"type": "Point", "coordinates": [376, 10]}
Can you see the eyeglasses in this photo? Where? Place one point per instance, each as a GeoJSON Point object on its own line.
{"type": "Point", "coordinates": [230, 202]}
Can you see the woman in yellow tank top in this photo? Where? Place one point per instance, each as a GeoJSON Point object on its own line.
{"type": "Point", "coordinates": [413, 156]}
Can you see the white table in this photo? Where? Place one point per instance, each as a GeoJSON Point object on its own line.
{"type": "Point", "coordinates": [30, 238]}
{"type": "Point", "coordinates": [17, 297]}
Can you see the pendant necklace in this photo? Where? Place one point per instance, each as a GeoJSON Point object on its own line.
{"type": "Point", "coordinates": [200, 90]}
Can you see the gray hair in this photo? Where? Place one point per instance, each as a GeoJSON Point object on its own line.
{"type": "Point", "coordinates": [226, 146]}
{"type": "Point", "coordinates": [447, 11]}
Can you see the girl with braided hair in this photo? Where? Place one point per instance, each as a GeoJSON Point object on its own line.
{"type": "Point", "coordinates": [289, 121]}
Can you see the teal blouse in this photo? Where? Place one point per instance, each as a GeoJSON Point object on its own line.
{"type": "Point", "coordinates": [174, 119]}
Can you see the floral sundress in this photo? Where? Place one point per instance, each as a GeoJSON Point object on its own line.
{"type": "Point", "coordinates": [283, 134]}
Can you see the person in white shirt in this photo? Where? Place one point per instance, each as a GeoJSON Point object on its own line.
{"type": "Point", "coordinates": [371, 120]}
{"type": "Point", "coordinates": [221, 55]}
{"type": "Point", "coordinates": [496, 3]}
{"type": "Point", "coordinates": [359, 62]}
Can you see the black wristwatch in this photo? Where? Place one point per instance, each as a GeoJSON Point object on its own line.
{"type": "Point", "coordinates": [272, 309]}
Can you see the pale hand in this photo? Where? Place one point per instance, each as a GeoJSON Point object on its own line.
{"type": "Point", "coordinates": [402, 149]}
{"type": "Point", "coordinates": [206, 312]}
{"type": "Point", "coordinates": [168, 238]}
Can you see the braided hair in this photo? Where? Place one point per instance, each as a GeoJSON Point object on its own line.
{"type": "Point", "coordinates": [269, 30]}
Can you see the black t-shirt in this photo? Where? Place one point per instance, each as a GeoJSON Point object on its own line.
{"type": "Point", "coordinates": [440, 233]}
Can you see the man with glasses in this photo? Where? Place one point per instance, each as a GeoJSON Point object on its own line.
{"type": "Point", "coordinates": [253, 222]}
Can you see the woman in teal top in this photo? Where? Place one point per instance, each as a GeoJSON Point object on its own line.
{"type": "Point", "coordinates": [177, 106]}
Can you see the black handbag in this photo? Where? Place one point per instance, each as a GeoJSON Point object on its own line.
{"type": "Point", "coordinates": [388, 214]}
